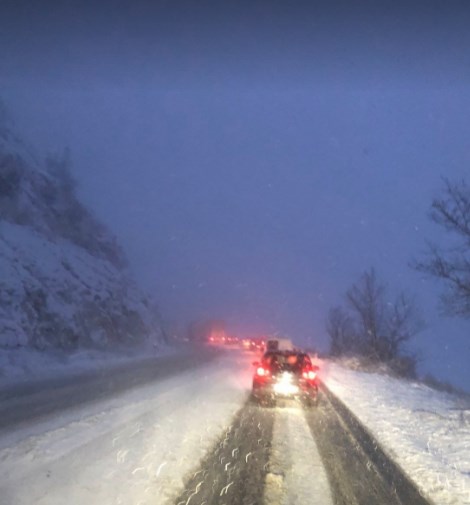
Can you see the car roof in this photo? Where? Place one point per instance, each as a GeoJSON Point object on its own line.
{"type": "Point", "coordinates": [285, 353]}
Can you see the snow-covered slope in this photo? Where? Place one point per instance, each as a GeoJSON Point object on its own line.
{"type": "Point", "coordinates": [63, 279]}
{"type": "Point", "coordinates": [425, 431]}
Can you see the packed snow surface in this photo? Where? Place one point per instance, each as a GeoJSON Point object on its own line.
{"type": "Point", "coordinates": [135, 448]}
{"type": "Point", "coordinates": [139, 446]}
{"type": "Point", "coordinates": [425, 431]}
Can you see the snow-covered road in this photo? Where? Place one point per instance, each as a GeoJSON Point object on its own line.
{"type": "Point", "coordinates": [193, 433]}
{"type": "Point", "coordinates": [193, 437]}
{"type": "Point", "coordinates": [24, 403]}
{"type": "Point", "coordinates": [134, 448]}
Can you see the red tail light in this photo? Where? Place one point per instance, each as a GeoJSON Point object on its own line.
{"type": "Point", "coordinates": [309, 374]}
{"type": "Point", "coordinates": [261, 371]}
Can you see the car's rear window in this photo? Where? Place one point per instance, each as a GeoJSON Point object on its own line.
{"type": "Point", "coordinates": [286, 361]}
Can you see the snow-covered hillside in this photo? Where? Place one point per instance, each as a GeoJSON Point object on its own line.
{"type": "Point", "coordinates": [64, 281]}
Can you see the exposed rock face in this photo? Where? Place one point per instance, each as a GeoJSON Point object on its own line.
{"type": "Point", "coordinates": [63, 277]}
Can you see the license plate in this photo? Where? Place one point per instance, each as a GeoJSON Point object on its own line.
{"type": "Point", "coordinates": [285, 386]}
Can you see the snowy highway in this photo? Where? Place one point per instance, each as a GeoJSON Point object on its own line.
{"type": "Point", "coordinates": [27, 402]}
{"type": "Point", "coordinates": [191, 436]}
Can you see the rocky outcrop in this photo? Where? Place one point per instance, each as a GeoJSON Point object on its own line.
{"type": "Point", "coordinates": [63, 278]}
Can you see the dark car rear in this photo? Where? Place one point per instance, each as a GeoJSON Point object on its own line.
{"type": "Point", "coordinates": [285, 374]}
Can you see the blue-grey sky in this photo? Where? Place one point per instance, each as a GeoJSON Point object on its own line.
{"type": "Point", "coordinates": [255, 158]}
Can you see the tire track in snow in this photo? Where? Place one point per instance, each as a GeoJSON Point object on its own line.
{"type": "Point", "coordinates": [234, 472]}
{"type": "Point", "coordinates": [288, 455]}
{"type": "Point", "coordinates": [267, 457]}
{"type": "Point", "coordinates": [359, 471]}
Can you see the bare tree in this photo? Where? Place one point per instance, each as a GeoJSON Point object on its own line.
{"type": "Point", "coordinates": [365, 298]}
{"type": "Point", "coordinates": [371, 325]}
{"type": "Point", "coordinates": [451, 212]}
{"type": "Point", "coordinates": [340, 328]}
{"type": "Point", "coordinates": [403, 323]}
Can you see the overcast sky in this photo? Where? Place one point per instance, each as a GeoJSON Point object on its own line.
{"type": "Point", "coordinates": [254, 159]}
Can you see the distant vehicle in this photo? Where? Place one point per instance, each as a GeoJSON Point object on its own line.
{"type": "Point", "coordinates": [288, 374]}
{"type": "Point", "coordinates": [246, 343]}
{"type": "Point", "coordinates": [257, 345]}
{"type": "Point", "coordinates": [279, 344]}
{"type": "Point", "coordinates": [231, 340]}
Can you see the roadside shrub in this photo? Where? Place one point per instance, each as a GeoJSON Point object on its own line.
{"type": "Point", "coordinates": [437, 384]}
{"type": "Point", "coordinates": [404, 366]}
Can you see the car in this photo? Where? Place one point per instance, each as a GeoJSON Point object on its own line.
{"type": "Point", "coordinates": [286, 374]}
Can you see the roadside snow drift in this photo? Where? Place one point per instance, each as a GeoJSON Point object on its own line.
{"type": "Point", "coordinates": [425, 431]}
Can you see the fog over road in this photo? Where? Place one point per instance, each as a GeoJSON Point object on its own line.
{"type": "Point", "coordinates": [187, 432]}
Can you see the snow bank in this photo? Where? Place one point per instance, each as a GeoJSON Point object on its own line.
{"type": "Point", "coordinates": [425, 431]}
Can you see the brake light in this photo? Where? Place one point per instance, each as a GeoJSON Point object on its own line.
{"type": "Point", "coordinates": [261, 371]}
{"type": "Point", "coordinates": [310, 374]}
